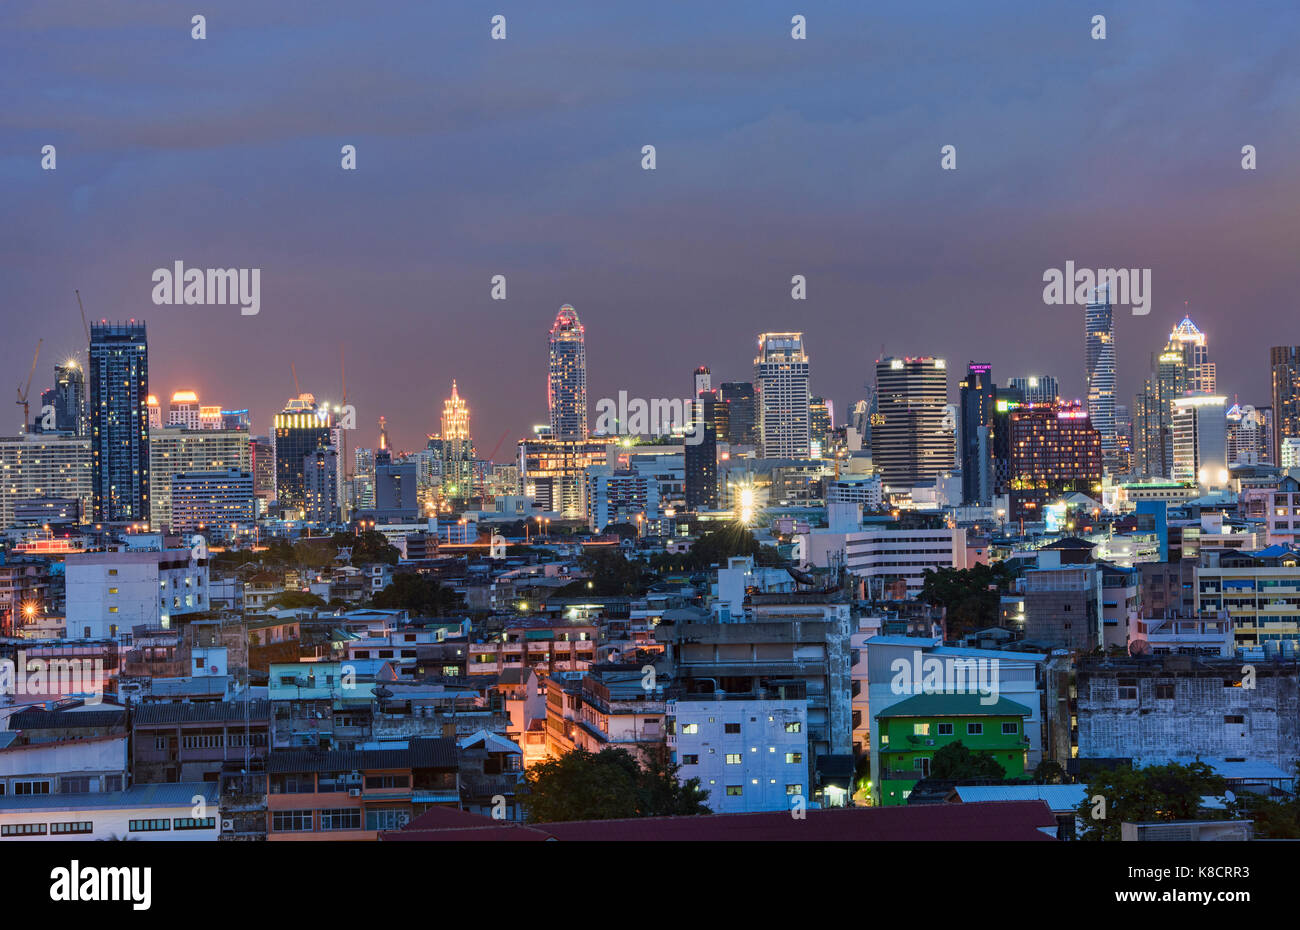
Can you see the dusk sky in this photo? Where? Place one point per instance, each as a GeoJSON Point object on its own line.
{"type": "Point", "coordinates": [522, 157]}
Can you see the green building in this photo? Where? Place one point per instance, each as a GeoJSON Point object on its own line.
{"type": "Point", "coordinates": [910, 732]}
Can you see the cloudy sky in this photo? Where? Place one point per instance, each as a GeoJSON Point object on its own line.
{"type": "Point", "coordinates": [522, 157]}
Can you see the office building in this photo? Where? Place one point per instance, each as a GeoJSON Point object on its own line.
{"type": "Point", "coordinates": [701, 458]}
{"type": "Point", "coordinates": [782, 397]}
{"type": "Point", "coordinates": [912, 435]}
{"type": "Point", "coordinates": [1284, 367]}
{"type": "Point", "coordinates": [623, 496]}
{"type": "Point", "coordinates": [119, 422]}
{"type": "Point", "coordinates": [1054, 449]}
{"type": "Point", "coordinates": [566, 384]}
{"type": "Point", "coordinates": [174, 450]}
{"type": "Point", "coordinates": [321, 502]}
{"type": "Point", "coordinates": [300, 430]}
{"type": "Point", "coordinates": [218, 503]}
{"type": "Point", "coordinates": [1201, 372]}
{"type": "Point", "coordinates": [67, 399]}
{"type": "Point", "coordinates": [1153, 444]}
{"type": "Point", "coordinates": [552, 471]}
{"type": "Point", "coordinates": [1099, 358]}
{"type": "Point", "coordinates": [821, 421]}
{"type": "Point", "coordinates": [185, 410]}
{"type": "Point", "coordinates": [1036, 389]}
{"type": "Point", "coordinates": [978, 395]}
{"type": "Point", "coordinates": [742, 413]}
{"type": "Point", "coordinates": [44, 465]}
{"type": "Point", "coordinates": [111, 593]}
{"type": "Point", "coordinates": [1200, 441]}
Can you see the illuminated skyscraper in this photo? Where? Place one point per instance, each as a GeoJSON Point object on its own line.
{"type": "Point", "coordinates": [119, 421]}
{"type": "Point", "coordinates": [781, 388]}
{"type": "Point", "coordinates": [912, 439]}
{"type": "Point", "coordinates": [457, 448]}
{"type": "Point", "coordinates": [1037, 389]}
{"type": "Point", "coordinates": [1153, 412]}
{"type": "Point", "coordinates": [1099, 357]}
{"type": "Point", "coordinates": [68, 398]}
{"type": "Point", "coordinates": [1200, 440]}
{"type": "Point", "coordinates": [301, 429]}
{"type": "Point", "coordinates": [566, 386]}
{"type": "Point", "coordinates": [184, 410]}
{"type": "Point", "coordinates": [978, 394]}
{"type": "Point", "coordinates": [1201, 374]}
{"type": "Point", "coordinates": [1284, 363]}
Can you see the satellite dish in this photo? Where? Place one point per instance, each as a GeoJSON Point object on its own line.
{"type": "Point", "coordinates": [1229, 796]}
{"type": "Point", "coordinates": [1139, 647]}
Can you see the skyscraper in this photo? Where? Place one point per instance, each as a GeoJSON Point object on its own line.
{"type": "Point", "coordinates": [742, 415]}
{"type": "Point", "coordinates": [781, 388]}
{"type": "Point", "coordinates": [301, 428]}
{"type": "Point", "coordinates": [457, 448]}
{"type": "Point", "coordinates": [119, 421]}
{"type": "Point", "coordinates": [821, 422]}
{"type": "Point", "coordinates": [1099, 357]}
{"type": "Point", "coordinates": [1284, 364]}
{"type": "Point", "coordinates": [1037, 389]}
{"type": "Point", "coordinates": [566, 386]}
{"type": "Point", "coordinates": [1200, 440]}
{"type": "Point", "coordinates": [1201, 373]}
{"type": "Point", "coordinates": [1054, 449]}
{"type": "Point", "coordinates": [701, 458]}
{"type": "Point", "coordinates": [912, 437]}
{"type": "Point", "coordinates": [1154, 411]}
{"type": "Point", "coordinates": [977, 398]}
{"type": "Point", "coordinates": [68, 398]}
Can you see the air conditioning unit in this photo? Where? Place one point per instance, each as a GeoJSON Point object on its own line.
{"type": "Point", "coordinates": [354, 792]}
{"type": "Point", "coordinates": [228, 826]}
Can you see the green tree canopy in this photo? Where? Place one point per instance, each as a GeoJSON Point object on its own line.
{"type": "Point", "coordinates": [955, 761]}
{"type": "Point", "coordinates": [421, 594]}
{"type": "Point", "coordinates": [368, 546]}
{"type": "Point", "coordinates": [293, 599]}
{"type": "Point", "coordinates": [970, 596]}
{"type": "Point", "coordinates": [1157, 792]}
{"type": "Point", "coordinates": [609, 785]}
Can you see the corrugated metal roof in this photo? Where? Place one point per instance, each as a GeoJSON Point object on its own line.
{"type": "Point", "coordinates": [65, 720]}
{"type": "Point", "coordinates": [955, 705]}
{"type": "Point", "coordinates": [1058, 797]}
{"type": "Point", "coordinates": [207, 712]}
{"type": "Point", "coordinates": [172, 794]}
{"type": "Point", "coordinates": [422, 753]}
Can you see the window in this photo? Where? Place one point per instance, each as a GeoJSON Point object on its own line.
{"type": "Point", "coordinates": [302, 783]}
{"type": "Point", "coordinates": [794, 727]}
{"type": "Point", "coordinates": [388, 781]}
{"type": "Point", "coordinates": [191, 823]}
{"type": "Point", "coordinates": [1234, 718]}
{"type": "Point", "coordinates": [31, 787]}
{"type": "Point", "coordinates": [22, 829]}
{"type": "Point", "coordinates": [387, 819]}
{"type": "Point", "coordinates": [974, 729]}
{"type": "Point", "coordinates": [733, 758]}
{"type": "Point", "coordinates": [691, 759]}
{"type": "Point", "coordinates": [1165, 691]}
{"type": "Point", "coordinates": [792, 758]}
{"type": "Point", "coordinates": [341, 819]}
{"type": "Point", "coordinates": [1128, 689]}
{"type": "Point", "coordinates": [735, 791]}
{"type": "Point", "coordinates": [1010, 729]}
{"type": "Point", "coordinates": [291, 821]}
{"type": "Point", "coordinates": [731, 728]}
{"type": "Point", "coordinates": [77, 784]}
{"type": "Point", "coordinates": [112, 590]}
{"type": "Point", "coordinates": [148, 826]}
{"type": "Point", "coordinates": [794, 789]}
{"type": "Point", "coordinates": [945, 729]}
{"type": "Point", "coordinates": [690, 729]}
{"type": "Point", "coordinates": [77, 826]}
{"type": "Point", "coordinates": [920, 729]}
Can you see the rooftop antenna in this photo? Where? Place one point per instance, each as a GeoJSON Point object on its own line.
{"type": "Point", "coordinates": [296, 390]}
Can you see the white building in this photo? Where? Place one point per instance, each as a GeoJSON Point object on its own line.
{"type": "Point", "coordinates": [750, 755]}
{"type": "Point", "coordinates": [219, 502]}
{"type": "Point", "coordinates": [177, 811]}
{"type": "Point", "coordinates": [41, 465]}
{"type": "Point", "coordinates": [906, 554]}
{"type": "Point", "coordinates": [108, 593]}
{"type": "Point", "coordinates": [782, 396]}
{"type": "Point", "coordinates": [1200, 431]}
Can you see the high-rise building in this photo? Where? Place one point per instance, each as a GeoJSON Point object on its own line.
{"type": "Point", "coordinates": [566, 386]}
{"type": "Point", "coordinates": [1201, 372]}
{"type": "Point", "coordinates": [701, 458]}
{"type": "Point", "coordinates": [781, 388]}
{"type": "Point", "coordinates": [1054, 449]}
{"type": "Point", "coordinates": [1153, 411]}
{"type": "Point", "coordinates": [1036, 389]}
{"type": "Point", "coordinates": [301, 428]}
{"type": "Point", "coordinates": [184, 410]}
{"type": "Point", "coordinates": [1200, 440]}
{"type": "Point", "coordinates": [742, 412]}
{"type": "Point", "coordinates": [155, 412]}
{"type": "Point", "coordinates": [703, 381]}
{"type": "Point", "coordinates": [978, 395]}
{"type": "Point", "coordinates": [320, 469]}
{"type": "Point", "coordinates": [218, 503]}
{"type": "Point", "coordinates": [821, 423]}
{"type": "Point", "coordinates": [1099, 358]}
{"type": "Point", "coordinates": [1249, 442]}
{"type": "Point", "coordinates": [40, 466]}
{"type": "Point", "coordinates": [262, 451]}
{"type": "Point", "coordinates": [119, 421]}
{"type": "Point", "coordinates": [551, 471]}
{"type": "Point", "coordinates": [1284, 365]}
{"type": "Point", "coordinates": [456, 448]}
{"type": "Point", "coordinates": [176, 450]}
{"type": "Point", "coordinates": [68, 400]}
{"type": "Point", "coordinates": [912, 438]}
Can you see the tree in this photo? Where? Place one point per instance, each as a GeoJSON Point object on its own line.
{"type": "Point", "coordinates": [608, 785]}
{"type": "Point", "coordinates": [714, 548]}
{"type": "Point", "coordinates": [314, 555]}
{"type": "Point", "coordinates": [623, 530]}
{"type": "Point", "coordinates": [1049, 772]}
{"type": "Point", "coordinates": [1155, 793]}
{"type": "Point", "coordinates": [955, 762]}
{"type": "Point", "coordinates": [368, 546]}
{"type": "Point", "coordinates": [610, 574]}
{"type": "Point", "coordinates": [422, 595]}
{"type": "Point", "coordinates": [971, 597]}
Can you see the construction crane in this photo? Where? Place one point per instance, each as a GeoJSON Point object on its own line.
{"type": "Point", "coordinates": [23, 390]}
{"type": "Point", "coordinates": [83, 316]}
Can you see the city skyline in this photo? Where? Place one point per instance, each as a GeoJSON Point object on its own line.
{"type": "Point", "coordinates": [775, 176]}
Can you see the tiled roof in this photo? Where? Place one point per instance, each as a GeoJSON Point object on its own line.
{"type": "Point", "coordinates": [206, 712]}
{"type": "Point", "coordinates": [954, 705]}
{"type": "Point", "coordinates": [65, 720]}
